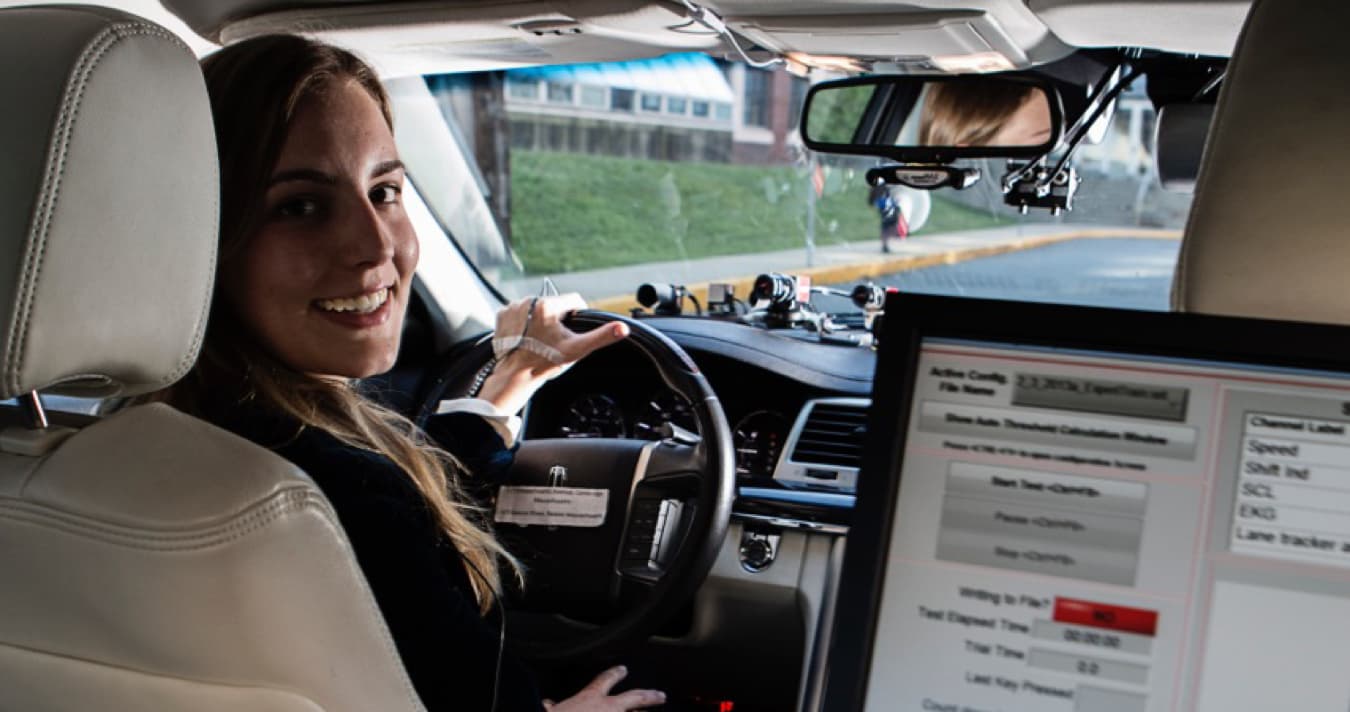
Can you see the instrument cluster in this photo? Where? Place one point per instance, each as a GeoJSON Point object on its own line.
{"type": "Point", "coordinates": [599, 415]}
{"type": "Point", "coordinates": [758, 436]}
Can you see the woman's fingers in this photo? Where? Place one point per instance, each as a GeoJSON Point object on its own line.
{"type": "Point", "coordinates": [605, 681]}
{"type": "Point", "coordinates": [532, 345]}
{"type": "Point", "coordinates": [573, 345]}
{"type": "Point", "coordinates": [639, 699]}
{"type": "Point", "coordinates": [545, 327]}
{"type": "Point", "coordinates": [594, 339]}
{"type": "Point", "coordinates": [629, 700]}
{"type": "Point", "coordinates": [595, 697]}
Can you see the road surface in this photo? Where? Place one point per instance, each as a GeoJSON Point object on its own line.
{"type": "Point", "coordinates": [1128, 273]}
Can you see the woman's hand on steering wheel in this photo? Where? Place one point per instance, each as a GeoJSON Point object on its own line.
{"type": "Point", "coordinates": [595, 697]}
{"type": "Point", "coordinates": [533, 346]}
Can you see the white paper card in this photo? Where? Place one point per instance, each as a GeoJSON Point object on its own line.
{"type": "Point", "coordinates": [552, 506]}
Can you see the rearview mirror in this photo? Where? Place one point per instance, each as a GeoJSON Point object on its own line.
{"type": "Point", "coordinates": [918, 119]}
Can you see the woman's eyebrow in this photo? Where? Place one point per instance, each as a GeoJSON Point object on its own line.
{"type": "Point", "coordinates": [386, 167]}
{"type": "Point", "coordinates": [314, 176]}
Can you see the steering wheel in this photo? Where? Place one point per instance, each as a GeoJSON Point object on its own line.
{"type": "Point", "coordinates": [669, 504]}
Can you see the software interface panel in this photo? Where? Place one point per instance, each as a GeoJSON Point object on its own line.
{"type": "Point", "coordinates": [1116, 534]}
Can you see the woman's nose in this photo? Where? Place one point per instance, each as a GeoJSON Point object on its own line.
{"type": "Point", "coordinates": [368, 238]}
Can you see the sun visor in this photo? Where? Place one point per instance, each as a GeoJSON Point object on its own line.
{"type": "Point", "coordinates": [960, 41]}
{"type": "Point", "coordinates": [415, 39]}
{"type": "Point", "coordinates": [1207, 27]}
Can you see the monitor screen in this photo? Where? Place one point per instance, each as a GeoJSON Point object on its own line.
{"type": "Point", "coordinates": [1083, 510]}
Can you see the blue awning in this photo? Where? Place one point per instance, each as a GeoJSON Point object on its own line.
{"type": "Point", "coordinates": [690, 75]}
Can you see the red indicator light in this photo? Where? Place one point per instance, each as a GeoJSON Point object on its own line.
{"type": "Point", "coordinates": [725, 706]}
{"type": "Point", "coordinates": [1100, 615]}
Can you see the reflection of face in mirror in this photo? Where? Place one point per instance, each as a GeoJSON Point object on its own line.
{"type": "Point", "coordinates": [984, 113]}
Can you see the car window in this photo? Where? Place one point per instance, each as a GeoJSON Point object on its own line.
{"type": "Point", "coordinates": [688, 170]}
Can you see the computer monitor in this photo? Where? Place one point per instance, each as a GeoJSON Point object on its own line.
{"type": "Point", "coordinates": [1091, 510]}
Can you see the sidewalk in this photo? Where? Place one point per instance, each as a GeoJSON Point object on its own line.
{"type": "Point", "coordinates": [612, 289]}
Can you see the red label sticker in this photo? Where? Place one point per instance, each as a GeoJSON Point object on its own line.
{"type": "Point", "coordinates": [1100, 615]}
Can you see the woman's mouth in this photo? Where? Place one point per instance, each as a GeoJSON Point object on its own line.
{"type": "Point", "coordinates": [359, 312]}
{"type": "Point", "coordinates": [362, 304]}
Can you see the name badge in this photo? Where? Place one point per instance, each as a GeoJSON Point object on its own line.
{"type": "Point", "coordinates": [552, 506]}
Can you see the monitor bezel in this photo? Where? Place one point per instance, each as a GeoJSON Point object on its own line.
{"type": "Point", "coordinates": [910, 319]}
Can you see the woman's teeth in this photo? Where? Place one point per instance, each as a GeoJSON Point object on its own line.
{"type": "Point", "coordinates": [363, 304]}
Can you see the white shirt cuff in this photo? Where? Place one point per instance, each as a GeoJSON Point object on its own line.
{"type": "Point", "coordinates": [506, 425]}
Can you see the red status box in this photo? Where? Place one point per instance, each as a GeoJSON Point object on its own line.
{"type": "Point", "coordinates": [1101, 615]}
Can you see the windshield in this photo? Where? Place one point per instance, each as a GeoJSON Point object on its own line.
{"type": "Point", "coordinates": [688, 170]}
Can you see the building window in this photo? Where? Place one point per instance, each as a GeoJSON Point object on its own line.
{"type": "Point", "coordinates": [722, 112]}
{"type": "Point", "coordinates": [554, 137]}
{"type": "Point", "coordinates": [675, 106]}
{"type": "Point", "coordinates": [522, 89]}
{"type": "Point", "coordinates": [593, 97]}
{"type": "Point", "coordinates": [651, 102]}
{"type": "Point", "coordinates": [700, 109]}
{"type": "Point", "coordinates": [522, 135]}
{"type": "Point", "coordinates": [757, 97]}
{"type": "Point", "coordinates": [621, 99]}
{"type": "Point", "coordinates": [559, 93]}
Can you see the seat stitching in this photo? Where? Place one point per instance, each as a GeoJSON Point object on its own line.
{"type": "Point", "coordinates": [37, 234]}
{"type": "Point", "coordinates": [256, 517]}
{"type": "Point", "coordinates": [71, 101]}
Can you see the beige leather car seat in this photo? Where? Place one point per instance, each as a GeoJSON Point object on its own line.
{"type": "Point", "coordinates": [148, 561]}
{"type": "Point", "coordinates": [1269, 230]}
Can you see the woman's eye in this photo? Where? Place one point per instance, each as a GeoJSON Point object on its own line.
{"type": "Point", "coordinates": [388, 193]}
{"type": "Point", "coordinates": [298, 208]}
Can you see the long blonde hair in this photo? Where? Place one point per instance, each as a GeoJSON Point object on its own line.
{"type": "Point", "coordinates": [255, 88]}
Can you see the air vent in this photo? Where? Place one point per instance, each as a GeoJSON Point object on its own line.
{"type": "Point", "coordinates": [833, 435]}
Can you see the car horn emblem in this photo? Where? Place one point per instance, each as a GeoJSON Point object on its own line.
{"type": "Point", "coordinates": [557, 476]}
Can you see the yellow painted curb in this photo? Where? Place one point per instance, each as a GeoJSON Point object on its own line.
{"type": "Point", "coordinates": [622, 304]}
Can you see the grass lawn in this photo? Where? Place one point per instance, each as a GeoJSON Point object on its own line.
{"type": "Point", "coordinates": [572, 212]}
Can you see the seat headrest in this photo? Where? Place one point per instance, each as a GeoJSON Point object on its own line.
{"type": "Point", "coordinates": [108, 192]}
{"type": "Point", "coordinates": [1268, 234]}
{"type": "Point", "coordinates": [1179, 138]}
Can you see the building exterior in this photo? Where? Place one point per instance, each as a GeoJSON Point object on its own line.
{"type": "Point", "coordinates": [679, 107]}
{"type": "Point", "coordinates": [676, 107]}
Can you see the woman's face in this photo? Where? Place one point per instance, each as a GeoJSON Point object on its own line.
{"type": "Point", "coordinates": [324, 283]}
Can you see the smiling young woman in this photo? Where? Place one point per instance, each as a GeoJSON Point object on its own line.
{"type": "Point", "coordinates": [317, 257]}
{"type": "Point", "coordinates": [324, 279]}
